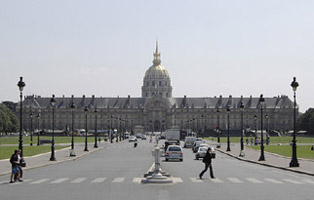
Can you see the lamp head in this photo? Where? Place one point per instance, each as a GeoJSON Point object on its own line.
{"type": "Point", "coordinates": [53, 101]}
{"type": "Point", "coordinates": [294, 84]}
{"type": "Point", "coordinates": [21, 84]}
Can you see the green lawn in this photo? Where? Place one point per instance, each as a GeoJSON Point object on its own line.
{"type": "Point", "coordinates": [273, 140]}
{"type": "Point", "coordinates": [7, 151]}
{"type": "Point", "coordinates": [303, 151]}
{"type": "Point", "coordinates": [58, 139]}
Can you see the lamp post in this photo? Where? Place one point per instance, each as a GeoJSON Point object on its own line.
{"type": "Point", "coordinates": [95, 111]}
{"type": "Point", "coordinates": [267, 126]}
{"type": "Point", "coordinates": [72, 153]}
{"type": "Point", "coordinates": [21, 86]}
{"type": "Point", "coordinates": [38, 127]}
{"type": "Point", "coordinates": [86, 110]}
{"type": "Point", "coordinates": [53, 103]}
{"type": "Point", "coordinates": [111, 136]}
{"type": "Point", "coordinates": [120, 129]}
{"type": "Point", "coordinates": [255, 121]}
{"type": "Point", "coordinates": [241, 141]}
{"type": "Point", "coordinates": [262, 101]}
{"type": "Point", "coordinates": [31, 131]}
{"type": "Point", "coordinates": [218, 128]}
{"type": "Point", "coordinates": [294, 160]}
{"type": "Point", "coordinates": [228, 126]}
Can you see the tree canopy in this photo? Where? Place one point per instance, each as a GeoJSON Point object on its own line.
{"type": "Point", "coordinates": [306, 121]}
{"type": "Point", "coordinates": [8, 120]}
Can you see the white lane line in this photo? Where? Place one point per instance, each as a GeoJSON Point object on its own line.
{"type": "Point", "coordinates": [118, 180]}
{"type": "Point", "coordinates": [273, 181]}
{"type": "Point", "coordinates": [24, 181]}
{"type": "Point", "coordinates": [254, 180]}
{"type": "Point", "coordinates": [292, 181]}
{"type": "Point", "coordinates": [216, 180]}
{"type": "Point", "coordinates": [235, 180]}
{"type": "Point", "coordinates": [308, 181]}
{"type": "Point", "coordinates": [196, 180]}
{"type": "Point", "coordinates": [137, 180]}
{"type": "Point", "coordinates": [177, 180]}
{"type": "Point", "coordinates": [60, 180]}
{"type": "Point", "coordinates": [79, 180]}
{"type": "Point", "coordinates": [40, 181]}
{"type": "Point", "coordinates": [99, 180]}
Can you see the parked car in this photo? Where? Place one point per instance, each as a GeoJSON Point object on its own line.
{"type": "Point", "coordinates": [143, 137]}
{"type": "Point", "coordinates": [174, 152]}
{"type": "Point", "coordinates": [188, 142]}
{"type": "Point", "coordinates": [132, 138]}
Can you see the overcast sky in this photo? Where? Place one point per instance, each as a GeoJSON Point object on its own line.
{"type": "Point", "coordinates": [209, 47]}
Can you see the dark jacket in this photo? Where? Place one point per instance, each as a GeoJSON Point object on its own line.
{"type": "Point", "coordinates": [13, 160]}
{"type": "Point", "coordinates": [207, 158]}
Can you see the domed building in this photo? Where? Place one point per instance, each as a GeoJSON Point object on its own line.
{"type": "Point", "coordinates": [157, 110]}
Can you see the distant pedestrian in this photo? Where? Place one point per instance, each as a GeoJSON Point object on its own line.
{"type": "Point", "coordinates": [247, 141]}
{"type": "Point", "coordinates": [251, 141]}
{"type": "Point", "coordinates": [15, 162]}
{"type": "Point", "coordinates": [207, 160]}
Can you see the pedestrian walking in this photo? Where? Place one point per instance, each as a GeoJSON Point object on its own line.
{"type": "Point", "coordinates": [14, 160]}
{"type": "Point", "coordinates": [251, 141]}
{"type": "Point", "coordinates": [207, 160]}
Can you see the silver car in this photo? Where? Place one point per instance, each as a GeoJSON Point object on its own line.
{"type": "Point", "coordinates": [174, 152]}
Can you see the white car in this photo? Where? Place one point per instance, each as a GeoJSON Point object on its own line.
{"type": "Point", "coordinates": [132, 138]}
{"type": "Point", "coordinates": [174, 152]}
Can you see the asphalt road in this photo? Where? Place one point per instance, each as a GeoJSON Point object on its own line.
{"type": "Point", "coordinates": [115, 172]}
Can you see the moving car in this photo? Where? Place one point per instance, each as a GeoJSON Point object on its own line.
{"type": "Point", "coordinates": [188, 142]}
{"type": "Point", "coordinates": [196, 145]}
{"type": "Point", "coordinates": [132, 138]}
{"type": "Point", "coordinates": [174, 152]}
{"type": "Point", "coordinates": [201, 152]}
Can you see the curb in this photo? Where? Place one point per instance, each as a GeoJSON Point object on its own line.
{"type": "Point", "coordinates": [264, 164]}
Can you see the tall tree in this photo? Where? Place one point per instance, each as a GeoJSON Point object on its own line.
{"type": "Point", "coordinates": [8, 120]}
{"type": "Point", "coordinates": [306, 121]}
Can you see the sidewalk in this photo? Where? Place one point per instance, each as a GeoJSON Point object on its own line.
{"type": "Point", "coordinates": [271, 159]}
{"type": "Point", "coordinates": [41, 160]}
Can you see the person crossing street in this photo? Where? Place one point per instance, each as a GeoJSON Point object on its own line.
{"type": "Point", "coordinates": [207, 160]}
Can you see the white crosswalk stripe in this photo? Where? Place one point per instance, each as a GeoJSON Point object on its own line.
{"type": "Point", "coordinates": [177, 180]}
{"type": "Point", "coordinates": [254, 180]}
{"type": "Point", "coordinates": [273, 181]}
{"type": "Point", "coordinates": [98, 180]}
{"type": "Point", "coordinates": [40, 181]}
{"type": "Point", "coordinates": [118, 180]}
{"type": "Point", "coordinates": [79, 180]}
{"type": "Point", "coordinates": [292, 181]}
{"type": "Point", "coordinates": [137, 180]}
{"type": "Point", "coordinates": [60, 180]}
{"type": "Point", "coordinates": [196, 180]}
{"type": "Point", "coordinates": [235, 180]}
{"type": "Point", "coordinates": [216, 180]}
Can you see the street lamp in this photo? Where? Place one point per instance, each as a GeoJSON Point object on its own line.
{"type": "Point", "coordinates": [267, 126]}
{"type": "Point", "coordinates": [95, 111]}
{"type": "Point", "coordinates": [242, 146]}
{"type": "Point", "coordinates": [38, 127]}
{"type": "Point", "coordinates": [120, 129]}
{"type": "Point", "coordinates": [31, 131]}
{"type": "Point", "coordinates": [218, 128]}
{"type": "Point", "coordinates": [86, 110]}
{"type": "Point", "coordinates": [72, 153]}
{"type": "Point", "coordinates": [53, 103]}
{"type": "Point", "coordinates": [21, 86]}
{"type": "Point", "coordinates": [262, 101]}
{"type": "Point", "coordinates": [294, 160]}
{"type": "Point", "coordinates": [255, 121]}
{"type": "Point", "coordinates": [111, 136]}
{"type": "Point", "coordinates": [228, 126]}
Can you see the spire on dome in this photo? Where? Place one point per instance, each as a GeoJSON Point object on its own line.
{"type": "Point", "coordinates": [156, 60]}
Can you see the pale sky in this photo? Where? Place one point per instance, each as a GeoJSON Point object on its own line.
{"type": "Point", "coordinates": [209, 47]}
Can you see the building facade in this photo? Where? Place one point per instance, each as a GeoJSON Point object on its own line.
{"type": "Point", "coordinates": [157, 110]}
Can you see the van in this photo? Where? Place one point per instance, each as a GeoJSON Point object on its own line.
{"type": "Point", "coordinates": [189, 141]}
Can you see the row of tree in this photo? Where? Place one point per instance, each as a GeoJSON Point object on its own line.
{"type": "Point", "coordinates": [306, 121]}
{"type": "Point", "coordinates": [9, 122]}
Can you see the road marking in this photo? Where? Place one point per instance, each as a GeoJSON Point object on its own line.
{"type": "Point", "coordinates": [137, 180]}
{"type": "Point", "coordinates": [308, 181]}
{"type": "Point", "coordinates": [60, 180]}
{"type": "Point", "coordinates": [216, 180]}
{"type": "Point", "coordinates": [79, 180]}
{"type": "Point", "coordinates": [292, 181]}
{"type": "Point", "coordinates": [196, 180]}
{"type": "Point", "coordinates": [177, 180]}
{"type": "Point", "coordinates": [235, 180]}
{"type": "Point", "coordinates": [118, 180]}
{"type": "Point", "coordinates": [40, 181]}
{"type": "Point", "coordinates": [24, 181]}
{"type": "Point", "coordinates": [254, 180]}
{"type": "Point", "coordinates": [273, 181]}
{"type": "Point", "coordinates": [98, 180]}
